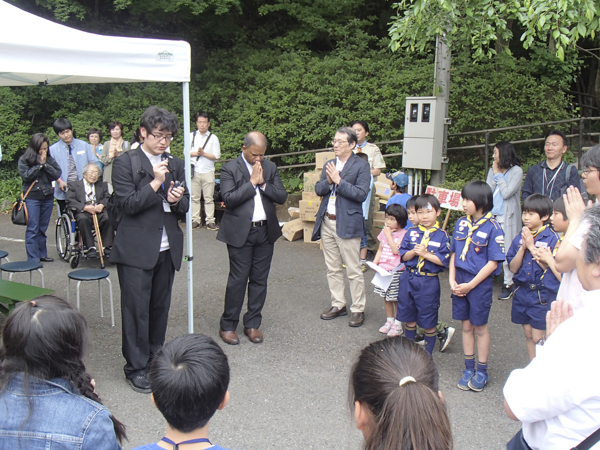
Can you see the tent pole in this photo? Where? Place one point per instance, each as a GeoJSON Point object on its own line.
{"type": "Point", "coordinates": [188, 217]}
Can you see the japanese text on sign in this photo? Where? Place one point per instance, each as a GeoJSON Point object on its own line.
{"type": "Point", "coordinates": [448, 199]}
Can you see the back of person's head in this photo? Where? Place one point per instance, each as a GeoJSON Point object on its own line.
{"type": "Point", "coordinates": [591, 248]}
{"type": "Point", "coordinates": [411, 203]}
{"type": "Point", "coordinates": [189, 378]}
{"type": "Point", "coordinates": [424, 201]}
{"type": "Point", "coordinates": [363, 156]}
{"type": "Point", "coordinates": [33, 149]}
{"type": "Point", "coordinates": [559, 205]}
{"type": "Point", "coordinates": [398, 212]}
{"type": "Point", "coordinates": [507, 155]}
{"type": "Point", "coordinates": [362, 123]}
{"type": "Point", "coordinates": [61, 125]}
{"type": "Point", "coordinates": [397, 381]}
{"type": "Point", "coordinates": [479, 193]}
{"type": "Point", "coordinates": [47, 338]}
{"type": "Point", "coordinates": [400, 179]}
{"type": "Point", "coordinates": [591, 158]}
{"type": "Point", "coordinates": [540, 204]}
{"type": "Point", "coordinates": [159, 118]}
{"type": "Point", "coordinates": [137, 136]}
{"type": "Point", "coordinates": [94, 131]}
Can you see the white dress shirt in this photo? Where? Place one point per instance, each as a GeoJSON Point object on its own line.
{"type": "Point", "coordinates": [259, 210]}
{"type": "Point", "coordinates": [164, 242]}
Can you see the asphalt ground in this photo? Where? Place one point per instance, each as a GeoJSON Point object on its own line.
{"type": "Point", "coordinates": [291, 392]}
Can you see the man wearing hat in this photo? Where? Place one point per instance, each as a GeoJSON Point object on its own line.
{"type": "Point", "coordinates": [399, 183]}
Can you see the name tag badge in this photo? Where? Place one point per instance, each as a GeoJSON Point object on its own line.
{"type": "Point", "coordinates": [541, 244]}
{"type": "Point", "coordinates": [434, 244]}
{"type": "Point", "coordinates": [166, 206]}
{"type": "Point", "coordinates": [332, 200]}
{"type": "Point", "coordinates": [82, 152]}
{"type": "Point", "coordinates": [481, 234]}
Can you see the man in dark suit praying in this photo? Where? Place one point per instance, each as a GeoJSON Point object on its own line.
{"type": "Point", "coordinates": [88, 197]}
{"type": "Point", "coordinates": [344, 186]}
{"type": "Point", "coordinates": [250, 187]}
{"type": "Point", "coordinates": [148, 247]}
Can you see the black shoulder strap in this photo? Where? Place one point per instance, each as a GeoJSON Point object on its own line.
{"type": "Point", "coordinates": [136, 166]}
{"type": "Point", "coordinates": [568, 173]}
{"type": "Point", "coordinates": [205, 142]}
{"type": "Point", "coordinates": [589, 441]}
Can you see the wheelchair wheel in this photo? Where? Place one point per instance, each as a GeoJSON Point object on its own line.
{"type": "Point", "coordinates": [63, 238]}
{"type": "Point", "coordinates": [74, 261]}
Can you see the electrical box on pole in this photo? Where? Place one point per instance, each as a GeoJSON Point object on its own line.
{"type": "Point", "coordinates": [424, 133]}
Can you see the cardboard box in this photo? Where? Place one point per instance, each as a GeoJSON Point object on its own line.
{"type": "Point", "coordinates": [294, 212]}
{"type": "Point", "coordinates": [309, 209]}
{"type": "Point", "coordinates": [309, 181]}
{"type": "Point", "coordinates": [308, 231]}
{"type": "Point", "coordinates": [378, 225]}
{"type": "Point", "coordinates": [379, 215]}
{"type": "Point", "coordinates": [383, 190]}
{"type": "Point", "coordinates": [292, 230]}
{"type": "Point", "coordinates": [383, 179]}
{"type": "Point", "coordinates": [322, 157]}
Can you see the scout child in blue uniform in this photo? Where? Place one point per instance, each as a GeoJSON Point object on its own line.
{"type": "Point", "coordinates": [536, 279]}
{"type": "Point", "coordinates": [425, 251]}
{"type": "Point", "coordinates": [477, 253]}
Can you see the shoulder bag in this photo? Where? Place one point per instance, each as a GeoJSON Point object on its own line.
{"type": "Point", "coordinates": [18, 213]}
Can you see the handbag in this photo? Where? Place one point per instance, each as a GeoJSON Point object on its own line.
{"type": "Point", "coordinates": [18, 213]}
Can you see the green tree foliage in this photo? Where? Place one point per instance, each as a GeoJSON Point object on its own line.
{"type": "Point", "coordinates": [479, 24]}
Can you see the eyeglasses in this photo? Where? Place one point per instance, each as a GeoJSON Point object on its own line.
{"type": "Point", "coordinates": [338, 141]}
{"type": "Point", "coordinates": [160, 137]}
{"type": "Point", "coordinates": [587, 171]}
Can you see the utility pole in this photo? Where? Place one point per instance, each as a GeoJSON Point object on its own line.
{"type": "Point", "coordinates": [441, 90]}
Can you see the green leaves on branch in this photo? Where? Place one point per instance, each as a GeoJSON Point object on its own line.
{"type": "Point", "coordinates": [481, 24]}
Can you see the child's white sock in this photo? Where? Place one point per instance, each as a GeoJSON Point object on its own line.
{"type": "Point", "coordinates": [390, 319]}
{"type": "Point", "coordinates": [397, 322]}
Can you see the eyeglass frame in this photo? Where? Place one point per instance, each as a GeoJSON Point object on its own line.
{"type": "Point", "coordinates": [166, 137]}
{"type": "Point", "coordinates": [333, 142]}
{"type": "Point", "coordinates": [588, 170]}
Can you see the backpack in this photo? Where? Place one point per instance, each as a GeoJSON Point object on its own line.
{"type": "Point", "coordinates": [114, 210]}
{"type": "Point", "coordinates": [581, 187]}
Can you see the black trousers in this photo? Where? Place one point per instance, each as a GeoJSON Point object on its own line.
{"type": "Point", "coordinates": [145, 303]}
{"type": "Point", "coordinates": [249, 266]}
{"type": "Point", "coordinates": [85, 222]}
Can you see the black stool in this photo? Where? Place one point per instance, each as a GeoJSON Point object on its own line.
{"type": "Point", "coordinates": [92, 275]}
{"type": "Point", "coordinates": [3, 255]}
{"type": "Point", "coordinates": [22, 266]}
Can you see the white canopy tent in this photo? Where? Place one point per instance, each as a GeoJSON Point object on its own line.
{"type": "Point", "coordinates": [38, 51]}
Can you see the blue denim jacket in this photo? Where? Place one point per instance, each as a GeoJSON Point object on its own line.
{"type": "Point", "coordinates": [53, 415]}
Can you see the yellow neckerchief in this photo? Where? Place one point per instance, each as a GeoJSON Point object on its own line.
{"type": "Point", "coordinates": [472, 228]}
{"type": "Point", "coordinates": [425, 241]}
{"type": "Point", "coordinates": [538, 231]}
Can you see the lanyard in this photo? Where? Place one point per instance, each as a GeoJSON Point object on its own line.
{"type": "Point", "coordinates": [191, 441]}
{"type": "Point", "coordinates": [546, 185]}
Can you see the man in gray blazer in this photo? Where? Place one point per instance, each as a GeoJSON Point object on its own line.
{"type": "Point", "coordinates": [344, 186]}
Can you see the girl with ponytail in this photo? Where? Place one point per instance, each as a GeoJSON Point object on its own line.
{"type": "Point", "coordinates": [395, 398]}
{"type": "Point", "coordinates": [46, 396]}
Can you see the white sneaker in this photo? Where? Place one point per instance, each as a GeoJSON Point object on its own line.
{"type": "Point", "coordinates": [395, 330]}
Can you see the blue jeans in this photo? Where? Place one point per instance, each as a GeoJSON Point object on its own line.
{"type": "Point", "coordinates": [35, 237]}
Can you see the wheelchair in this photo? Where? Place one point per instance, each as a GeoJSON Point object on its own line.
{"type": "Point", "coordinates": [69, 243]}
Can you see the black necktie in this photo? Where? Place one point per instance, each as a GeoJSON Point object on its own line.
{"type": "Point", "coordinates": [69, 145]}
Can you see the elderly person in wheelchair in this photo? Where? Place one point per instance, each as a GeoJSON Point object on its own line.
{"type": "Point", "coordinates": [87, 198]}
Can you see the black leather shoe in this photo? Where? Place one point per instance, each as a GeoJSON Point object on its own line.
{"type": "Point", "coordinates": [140, 384]}
{"type": "Point", "coordinates": [47, 259]}
{"type": "Point", "coordinates": [357, 319]}
{"type": "Point", "coordinates": [333, 312]}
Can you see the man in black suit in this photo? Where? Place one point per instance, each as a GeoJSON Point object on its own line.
{"type": "Point", "coordinates": [88, 197]}
{"type": "Point", "coordinates": [148, 246]}
{"type": "Point", "coordinates": [250, 187]}
{"type": "Point", "coordinates": [344, 186]}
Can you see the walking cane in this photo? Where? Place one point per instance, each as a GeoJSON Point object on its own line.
{"type": "Point", "coordinates": [98, 237]}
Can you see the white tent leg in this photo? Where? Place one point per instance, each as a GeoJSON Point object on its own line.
{"type": "Point", "coordinates": [188, 217]}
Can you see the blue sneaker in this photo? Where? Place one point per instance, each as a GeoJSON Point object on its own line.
{"type": "Point", "coordinates": [464, 382]}
{"type": "Point", "coordinates": [478, 381]}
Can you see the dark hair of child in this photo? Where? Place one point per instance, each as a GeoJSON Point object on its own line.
{"type": "Point", "coordinates": [411, 202]}
{"type": "Point", "coordinates": [407, 416]}
{"type": "Point", "coordinates": [189, 378]}
{"type": "Point", "coordinates": [539, 204]}
{"type": "Point", "coordinates": [479, 193]}
{"type": "Point", "coordinates": [47, 338]}
{"type": "Point", "coordinates": [398, 212]}
{"type": "Point", "coordinates": [559, 205]}
{"type": "Point", "coordinates": [363, 156]}
{"type": "Point", "coordinates": [425, 199]}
